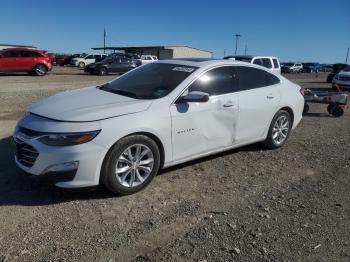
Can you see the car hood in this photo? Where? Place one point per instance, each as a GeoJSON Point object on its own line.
{"type": "Point", "coordinates": [344, 73]}
{"type": "Point", "coordinates": [87, 104]}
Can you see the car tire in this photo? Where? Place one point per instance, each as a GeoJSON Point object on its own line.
{"type": "Point", "coordinates": [337, 111]}
{"type": "Point", "coordinates": [40, 70]}
{"type": "Point", "coordinates": [102, 71]}
{"type": "Point", "coordinates": [122, 171]}
{"type": "Point", "coordinates": [81, 65]}
{"type": "Point", "coordinates": [279, 130]}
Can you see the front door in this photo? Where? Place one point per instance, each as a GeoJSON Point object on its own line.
{"type": "Point", "coordinates": [204, 127]}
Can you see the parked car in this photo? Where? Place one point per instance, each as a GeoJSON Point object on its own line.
{"type": "Point", "coordinates": [326, 68]}
{"type": "Point", "coordinates": [336, 69]}
{"type": "Point", "coordinates": [88, 59]}
{"type": "Point", "coordinates": [155, 116]}
{"type": "Point", "coordinates": [25, 60]}
{"type": "Point", "coordinates": [342, 79]}
{"type": "Point", "coordinates": [291, 67]}
{"type": "Point", "coordinates": [148, 59]}
{"type": "Point", "coordinates": [311, 67]}
{"type": "Point", "coordinates": [112, 64]}
{"type": "Point", "coordinates": [272, 63]}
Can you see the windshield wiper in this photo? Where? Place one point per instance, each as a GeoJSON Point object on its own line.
{"type": "Point", "coordinates": [124, 93]}
{"type": "Point", "coordinates": [102, 86]}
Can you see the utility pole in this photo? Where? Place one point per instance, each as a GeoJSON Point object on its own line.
{"type": "Point", "coordinates": [347, 55]}
{"type": "Point", "coordinates": [245, 50]}
{"type": "Point", "coordinates": [104, 40]}
{"type": "Point", "coordinates": [237, 36]}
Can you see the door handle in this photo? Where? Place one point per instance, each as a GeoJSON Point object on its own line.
{"type": "Point", "coordinates": [228, 104]}
{"type": "Point", "coordinates": [270, 97]}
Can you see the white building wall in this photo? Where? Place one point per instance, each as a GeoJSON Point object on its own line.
{"type": "Point", "coordinates": [184, 51]}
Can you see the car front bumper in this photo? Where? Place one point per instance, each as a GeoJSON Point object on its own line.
{"type": "Point", "coordinates": [67, 166]}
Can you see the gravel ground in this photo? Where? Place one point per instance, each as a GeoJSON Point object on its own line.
{"type": "Point", "coordinates": [248, 204]}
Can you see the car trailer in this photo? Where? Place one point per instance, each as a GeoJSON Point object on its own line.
{"type": "Point", "coordinates": [336, 101]}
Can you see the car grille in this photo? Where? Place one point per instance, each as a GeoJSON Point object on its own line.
{"type": "Point", "coordinates": [344, 78]}
{"type": "Point", "coordinates": [25, 153]}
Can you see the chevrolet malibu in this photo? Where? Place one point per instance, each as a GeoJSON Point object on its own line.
{"type": "Point", "coordinates": [155, 116]}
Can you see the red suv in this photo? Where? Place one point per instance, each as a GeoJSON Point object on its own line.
{"type": "Point", "coordinates": [25, 60]}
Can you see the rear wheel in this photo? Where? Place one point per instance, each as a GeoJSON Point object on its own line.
{"type": "Point", "coordinates": [131, 164]}
{"type": "Point", "coordinates": [279, 130]}
{"type": "Point", "coordinates": [40, 70]}
{"type": "Point", "coordinates": [81, 65]}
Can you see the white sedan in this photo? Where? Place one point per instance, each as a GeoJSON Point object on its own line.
{"type": "Point", "coordinates": [342, 79]}
{"type": "Point", "coordinates": [155, 116]}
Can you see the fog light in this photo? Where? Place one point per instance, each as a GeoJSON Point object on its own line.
{"type": "Point", "coordinates": [62, 167]}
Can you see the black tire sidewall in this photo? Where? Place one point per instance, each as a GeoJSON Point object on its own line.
{"type": "Point", "coordinates": [269, 140]}
{"type": "Point", "coordinates": [102, 71]}
{"type": "Point", "coordinates": [108, 176]}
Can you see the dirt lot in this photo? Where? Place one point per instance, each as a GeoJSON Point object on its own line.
{"type": "Point", "coordinates": [249, 204]}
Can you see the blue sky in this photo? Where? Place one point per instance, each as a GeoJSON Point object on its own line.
{"type": "Point", "coordinates": [296, 30]}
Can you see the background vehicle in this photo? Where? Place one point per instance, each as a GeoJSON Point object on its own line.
{"type": "Point", "coordinates": [88, 59]}
{"type": "Point", "coordinates": [25, 60]}
{"type": "Point", "coordinates": [272, 63]}
{"type": "Point", "coordinates": [311, 67]}
{"type": "Point", "coordinates": [291, 67]}
{"type": "Point", "coordinates": [112, 64]}
{"type": "Point", "coordinates": [336, 69]}
{"type": "Point", "coordinates": [148, 59]}
{"type": "Point", "coordinates": [158, 115]}
{"type": "Point", "coordinates": [342, 79]}
{"type": "Point", "coordinates": [326, 68]}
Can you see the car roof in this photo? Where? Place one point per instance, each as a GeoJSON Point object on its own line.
{"type": "Point", "coordinates": [201, 62]}
{"type": "Point", "coordinates": [248, 56]}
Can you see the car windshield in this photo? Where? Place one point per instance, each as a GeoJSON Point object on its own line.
{"type": "Point", "coordinates": [151, 81]}
{"type": "Point", "coordinates": [347, 69]}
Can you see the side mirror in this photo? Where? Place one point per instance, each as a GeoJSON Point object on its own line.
{"type": "Point", "coordinates": [194, 96]}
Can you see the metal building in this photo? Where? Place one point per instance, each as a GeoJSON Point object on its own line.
{"type": "Point", "coordinates": [5, 46]}
{"type": "Point", "coordinates": [162, 52]}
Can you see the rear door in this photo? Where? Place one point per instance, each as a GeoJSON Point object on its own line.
{"type": "Point", "coordinates": [89, 59]}
{"type": "Point", "coordinates": [27, 60]}
{"type": "Point", "coordinates": [203, 127]}
{"type": "Point", "coordinates": [259, 98]}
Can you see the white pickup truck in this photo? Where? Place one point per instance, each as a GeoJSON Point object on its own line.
{"type": "Point", "coordinates": [148, 59]}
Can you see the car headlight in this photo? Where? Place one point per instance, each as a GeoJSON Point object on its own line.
{"type": "Point", "coordinates": [68, 139]}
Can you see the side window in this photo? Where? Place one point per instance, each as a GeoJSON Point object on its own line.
{"type": "Point", "coordinates": [90, 57]}
{"type": "Point", "coordinates": [266, 62]}
{"type": "Point", "coordinates": [216, 82]}
{"type": "Point", "coordinates": [12, 54]}
{"type": "Point", "coordinates": [275, 63]}
{"type": "Point", "coordinates": [250, 78]}
{"type": "Point", "coordinates": [258, 62]}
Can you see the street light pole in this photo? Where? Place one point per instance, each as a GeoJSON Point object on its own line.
{"type": "Point", "coordinates": [245, 50]}
{"type": "Point", "coordinates": [104, 40]}
{"type": "Point", "coordinates": [347, 55]}
{"type": "Point", "coordinates": [237, 36]}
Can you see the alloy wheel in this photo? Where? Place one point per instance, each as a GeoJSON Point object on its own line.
{"type": "Point", "coordinates": [40, 70]}
{"type": "Point", "coordinates": [134, 165]}
{"type": "Point", "coordinates": [280, 130]}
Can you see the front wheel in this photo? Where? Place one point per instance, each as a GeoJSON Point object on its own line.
{"type": "Point", "coordinates": [40, 70]}
{"type": "Point", "coordinates": [81, 65]}
{"type": "Point", "coordinates": [130, 165]}
{"type": "Point", "coordinates": [102, 71]}
{"type": "Point", "coordinates": [279, 130]}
